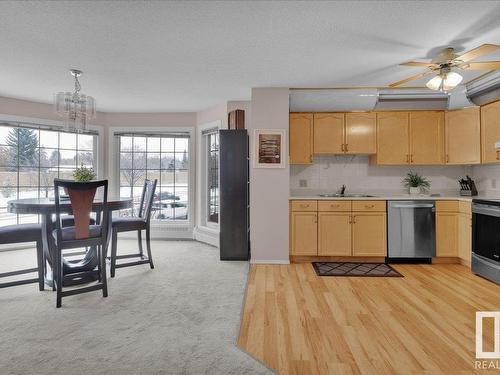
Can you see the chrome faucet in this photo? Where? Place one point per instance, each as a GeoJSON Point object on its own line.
{"type": "Point", "coordinates": [342, 190]}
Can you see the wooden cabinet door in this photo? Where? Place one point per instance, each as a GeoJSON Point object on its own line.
{"type": "Point", "coordinates": [328, 133]}
{"type": "Point", "coordinates": [369, 234]}
{"type": "Point", "coordinates": [360, 133]}
{"type": "Point", "coordinates": [490, 132]}
{"type": "Point", "coordinates": [446, 234]}
{"type": "Point", "coordinates": [334, 233]}
{"type": "Point", "coordinates": [301, 138]}
{"type": "Point", "coordinates": [304, 236]}
{"type": "Point", "coordinates": [465, 237]}
{"type": "Point", "coordinates": [426, 137]}
{"type": "Point", "coordinates": [463, 136]}
{"type": "Point", "coordinates": [393, 138]}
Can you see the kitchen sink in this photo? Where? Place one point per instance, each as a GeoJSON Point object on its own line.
{"type": "Point", "coordinates": [337, 195]}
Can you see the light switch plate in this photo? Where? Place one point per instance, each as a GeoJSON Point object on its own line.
{"type": "Point", "coordinates": [302, 183]}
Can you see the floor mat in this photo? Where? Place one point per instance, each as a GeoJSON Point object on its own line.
{"type": "Point", "coordinates": [354, 269]}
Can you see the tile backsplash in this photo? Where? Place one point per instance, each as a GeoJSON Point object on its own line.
{"type": "Point", "coordinates": [329, 172]}
{"type": "Point", "coordinates": [487, 177]}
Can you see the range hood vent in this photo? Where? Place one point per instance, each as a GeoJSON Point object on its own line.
{"type": "Point", "coordinates": [332, 100]}
{"type": "Point", "coordinates": [418, 99]}
{"type": "Point", "coordinates": [484, 90]}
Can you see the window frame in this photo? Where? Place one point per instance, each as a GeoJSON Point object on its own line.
{"type": "Point", "coordinates": [114, 168]}
{"type": "Point", "coordinates": [54, 125]}
{"type": "Point", "coordinates": [206, 148]}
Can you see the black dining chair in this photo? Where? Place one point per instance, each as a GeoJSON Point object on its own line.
{"type": "Point", "coordinates": [12, 234]}
{"type": "Point", "coordinates": [82, 234]}
{"type": "Point", "coordinates": [135, 223]}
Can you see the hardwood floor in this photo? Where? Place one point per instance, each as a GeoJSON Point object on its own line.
{"type": "Point", "coordinates": [298, 323]}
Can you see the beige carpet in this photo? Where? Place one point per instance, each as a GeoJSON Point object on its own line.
{"type": "Point", "coordinates": [180, 318]}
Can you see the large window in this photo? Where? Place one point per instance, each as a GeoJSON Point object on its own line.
{"type": "Point", "coordinates": [162, 157]}
{"type": "Point", "coordinates": [32, 156]}
{"type": "Point", "coordinates": [212, 143]}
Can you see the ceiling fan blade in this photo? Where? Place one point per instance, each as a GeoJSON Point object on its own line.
{"type": "Point", "coordinates": [420, 64]}
{"type": "Point", "coordinates": [479, 51]}
{"type": "Point", "coordinates": [412, 78]}
{"type": "Point", "coordinates": [486, 65]}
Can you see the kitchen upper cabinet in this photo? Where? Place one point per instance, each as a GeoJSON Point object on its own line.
{"type": "Point", "coordinates": [334, 233]}
{"type": "Point", "coordinates": [490, 132]}
{"type": "Point", "coordinates": [304, 235]}
{"type": "Point", "coordinates": [463, 136]}
{"type": "Point", "coordinates": [360, 133]}
{"type": "Point", "coordinates": [369, 234]}
{"type": "Point", "coordinates": [329, 133]}
{"type": "Point", "coordinates": [393, 138]}
{"type": "Point", "coordinates": [446, 234]}
{"type": "Point", "coordinates": [426, 137]}
{"type": "Point", "coordinates": [301, 138]}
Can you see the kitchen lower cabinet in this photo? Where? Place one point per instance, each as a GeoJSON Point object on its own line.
{"type": "Point", "coordinates": [304, 233]}
{"type": "Point", "coordinates": [369, 234]}
{"type": "Point", "coordinates": [334, 233]}
{"type": "Point", "coordinates": [446, 234]}
{"type": "Point", "coordinates": [465, 237]}
{"type": "Point", "coordinates": [338, 228]}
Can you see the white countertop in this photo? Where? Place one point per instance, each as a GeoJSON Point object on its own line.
{"type": "Point", "coordinates": [386, 196]}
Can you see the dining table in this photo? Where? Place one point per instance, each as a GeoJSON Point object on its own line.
{"type": "Point", "coordinates": [46, 209]}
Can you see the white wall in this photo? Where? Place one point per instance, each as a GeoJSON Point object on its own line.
{"type": "Point", "coordinates": [487, 178]}
{"type": "Point", "coordinates": [329, 172]}
{"type": "Point", "coordinates": [269, 188]}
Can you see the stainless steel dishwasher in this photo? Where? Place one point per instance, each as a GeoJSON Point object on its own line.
{"type": "Point", "coordinates": [411, 231]}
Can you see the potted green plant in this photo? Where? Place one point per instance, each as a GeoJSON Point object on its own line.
{"type": "Point", "coordinates": [415, 183]}
{"type": "Point", "coordinates": [84, 174]}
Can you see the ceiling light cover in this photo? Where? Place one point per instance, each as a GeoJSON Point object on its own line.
{"type": "Point", "coordinates": [445, 81]}
{"type": "Point", "coordinates": [76, 108]}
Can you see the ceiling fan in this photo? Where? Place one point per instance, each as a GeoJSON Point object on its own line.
{"type": "Point", "coordinates": [446, 62]}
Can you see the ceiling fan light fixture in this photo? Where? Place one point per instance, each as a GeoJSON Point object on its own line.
{"type": "Point", "coordinates": [444, 81]}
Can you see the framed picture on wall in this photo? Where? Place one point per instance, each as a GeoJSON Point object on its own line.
{"type": "Point", "coordinates": [269, 148]}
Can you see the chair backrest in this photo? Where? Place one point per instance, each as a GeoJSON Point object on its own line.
{"type": "Point", "coordinates": [81, 197]}
{"type": "Point", "coordinates": [148, 194]}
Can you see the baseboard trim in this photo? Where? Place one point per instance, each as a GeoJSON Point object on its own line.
{"type": "Point", "coordinates": [446, 260]}
{"type": "Point", "coordinates": [271, 261]}
{"type": "Point", "coordinates": [210, 237]}
{"type": "Point", "coordinates": [309, 259]}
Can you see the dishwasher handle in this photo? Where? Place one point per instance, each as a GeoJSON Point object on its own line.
{"type": "Point", "coordinates": [422, 205]}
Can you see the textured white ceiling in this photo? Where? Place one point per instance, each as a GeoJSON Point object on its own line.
{"type": "Point", "coordinates": [186, 56]}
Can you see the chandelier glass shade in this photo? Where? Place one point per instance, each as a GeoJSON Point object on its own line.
{"type": "Point", "coordinates": [74, 107]}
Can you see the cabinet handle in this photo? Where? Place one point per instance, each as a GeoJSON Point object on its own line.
{"type": "Point", "coordinates": [311, 158]}
{"type": "Point", "coordinates": [348, 150]}
{"type": "Point", "coordinates": [304, 205]}
{"type": "Point", "coordinates": [497, 155]}
{"type": "Point", "coordinates": [411, 158]}
{"type": "Point", "coordinates": [350, 219]}
{"type": "Point", "coordinates": [447, 158]}
{"type": "Point", "coordinates": [407, 158]}
{"type": "Point", "coordinates": [334, 205]}
{"type": "Point", "coordinates": [342, 147]}
{"type": "Point", "coordinates": [354, 219]}
{"type": "Point", "coordinates": [369, 205]}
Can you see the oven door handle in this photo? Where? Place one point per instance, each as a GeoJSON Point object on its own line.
{"type": "Point", "coordinates": [485, 210]}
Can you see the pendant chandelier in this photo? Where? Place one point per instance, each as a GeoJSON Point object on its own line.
{"type": "Point", "coordinates": [74, 107]}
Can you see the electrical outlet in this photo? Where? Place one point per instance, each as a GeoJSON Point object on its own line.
{"type": "Point", "coordinates": [302, 183]}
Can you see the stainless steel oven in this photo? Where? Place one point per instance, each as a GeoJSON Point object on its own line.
{"type": "Point", "coordinates": [486, 239]}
